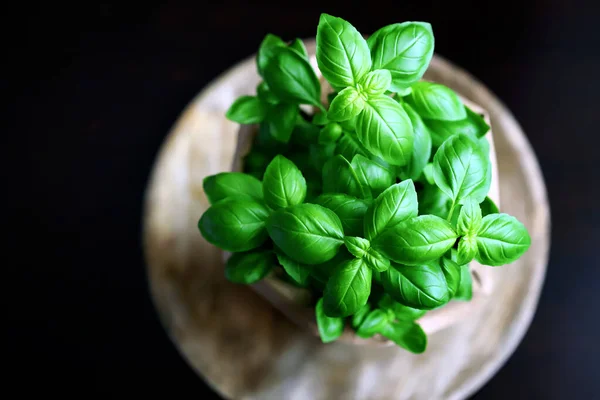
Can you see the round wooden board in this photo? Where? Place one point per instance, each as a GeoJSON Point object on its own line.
{"type": "Point", "coordinates": [246, 349]}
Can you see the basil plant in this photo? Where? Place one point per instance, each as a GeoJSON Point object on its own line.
{"type": "Point", "coordinates": [376, 200]}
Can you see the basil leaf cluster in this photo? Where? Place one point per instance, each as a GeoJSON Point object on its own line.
{"type": "Point", "coordinates": [375, 201]}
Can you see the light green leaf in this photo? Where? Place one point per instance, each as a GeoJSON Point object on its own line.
{"type": "Point", "coordinates": [342, 53]}
{"type": "Point", "coordinates": [357, 246]}
{"type": "Point", "coordinates": [436, 101]}
{"type": "Point", "coordinates": [330, 329]}
{"type": "Point", "coordinates": [408, 335]}
{"type": "Point", "coordinates": [330, 133]}
{"type": "Point", "coordinates": [467, 250]}
{"type": "Point", "coordinates": [385, 130]}
{"type": "Point", "coordinates": [469, 219]}
{"type": "Point", "coordinates": [247, 110]}
{"type": "Point", "coordinates": [298, 272]}
{"type": "Point", "coordinates": [465, 289]}
{"type": "Point", "coordinates": [339, 177]}
{"type": "Point", "coordinates": [459, 168]}
{"type": "Point", "coordinates": [231, 184]}
{"type": "Point", "coordinates": [451, 272]}
{"type": "Point", "coordinates": [265, 51]}
{"type": "Point", "coordinates": [283, 184]}
{"type": "Point", "coordinates": [346, 105]}
{"type": "Point", "coordinates": [405, 50]}
{"type": "Point", "coordinates": [376, 261]}
{"type": "Point", "coordinates": [235, 224]}
{"type": "Point", "coordinates": [360, 315]}
{"type": "Point", "coordinates": [501, 240]}
{"type": "Point", "coordinates": [416, 240]}
{"type": "Point", "coordinates": [423, 287]}
{"type": "Point", "coordinates": [299, 46]}
{"type": "Point", "coordinates": [421, 145]}
{"type": "Point", "coordinates": [372, 175]}
{"type": "Point", "coordinates": [248, 267]}
{"type": "Point", "coordinates": [401, 312]}
{"type": "Point", "coordinates": [373, 324]}
{"type": "Point", "coordinates": [291, 78]}
{"type": "Point", "coordinates": [349, 209]}
{"type": "Point", "coordinates": [473, 126]}
{"type": "Point", "coordinates": [375, 82]}
{"type": "Point", "coordinates": [394, 205]}
{"type": "Point", "coordinates": [307, 233]}
{"type": "Point", "coordinates": [348, 289]}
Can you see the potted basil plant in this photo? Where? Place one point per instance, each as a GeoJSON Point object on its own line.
{"type": "Point", "coordinates": [372, 197]}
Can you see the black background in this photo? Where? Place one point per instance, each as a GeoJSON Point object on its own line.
{"type": "Point", "coordinates": [91, 90]}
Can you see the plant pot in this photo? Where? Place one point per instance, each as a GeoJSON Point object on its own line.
{"type": "Point", "coordinates": [244, 347]}
{"type": "Point", "coordinates": [297, 304]}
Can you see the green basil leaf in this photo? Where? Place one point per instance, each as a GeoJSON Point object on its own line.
{"type": "Point", "coordinates": [459, 168]}
{"type": "Point", "coordinates": [451, 272]}
{"type": "Point", "coordinates": [330, 329]}
{"type": "Point", "coordinates": [473, 126]}
{"type": "Point", "coordinates": [264, 93]}
{"type": "Point", "coordinates": [339, 177]}
{"type": "Point", "coordinates": [401, 312]}
{"type": "Point", "coordinates": [282, 119]}
{"type": "Point", "coordinates": [342, 53]}
{"type": "Point", "coordinates": [349, 146]}
{"type": "Point", "coordinates": [376, 261]}
{"type": "Point", "coordinates": [350, 211]}
{"type": "Point", "coordinates": [373, 324]}
{"type": "Point", "coordinates": [376, 82]}
{"type": "Point", "coordinates": [346, 105]}
{"type": "Point", "coordinates": [247, 110]}
{"type": "Point", "coordinates": [248, 267]}
{"type": "Point", "coordinates": [435, 101]}
{"type": "Point", "coordinates": [359, 316]}
{"type": "Point", "coordinates": [423, 287]}
{"type": "Point", "coordinates": [299, 46]}
{"type": "Point", "coordinates": [421, 145]}
{"type": "Point", "coordinates": [320, 118]}
{"type": "Point", "coordinates": [307, 233]}
{"type": "Point", "coordinates": [465, 289]}
{"type": "Point", "coordinates": [283, 184]}
{"type": "Point", "coordinates": [357, 246]}
{"type": "Point", "coordinates": [501, 239]}
{"type": "Point", "coordinates": [323, 271]}
{"type": "Point", "coordinates": [330, 133]}
{"type": "Point", "coordinates": [298, 272]}
{"type": "Point", "coordinates": [235, 224]}
{"type": "Point", "coordinates": [372, 175]}
{"type": "Point", "coordinates": [229, 184]}
{"type": "Point", "coordinates": [348, 289]}
{"type": "Point", "coordinates": [266, 143]}
{"type": "Point", "coordinates": [385, 130]}
{"type": "Point", "coordinates": [488, 207]}
{"type": "Point", "coordinates": [292, 79]}
{"type": "Point", "coordinates": [406, 334]}
{"type": "Point", "coordinates": [467, 250]}
{"type": "Point", "coordinates": [482, 190]}
{"type": "Point", "coordinates": [404, 49]}
{"type": "Point", "coordinates": [349, 125]}
{"type": "Point", "coordinates": [416, 240]}
{"type": "Point", "coordinates": [394, 205]}
{"type": "Point", "coordinates": [265, 51]}
{"type": "Point", "coordinates": [469, 218]}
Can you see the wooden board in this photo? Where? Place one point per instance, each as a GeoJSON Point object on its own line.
{"type": "Point", "coordinates": [245, 348]}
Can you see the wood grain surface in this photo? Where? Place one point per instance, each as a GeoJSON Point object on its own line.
{"type": "Point", "coordinates": [245, 348]}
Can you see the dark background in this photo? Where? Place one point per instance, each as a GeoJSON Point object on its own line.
{"type": "Point", "coordinates": [91, 90]}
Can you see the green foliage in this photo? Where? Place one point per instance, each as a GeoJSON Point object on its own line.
{"type": "Point", "coordinates": [376, 200]}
